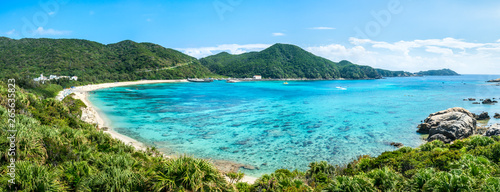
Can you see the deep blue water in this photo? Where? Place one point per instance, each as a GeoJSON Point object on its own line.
{"type": "Point", "coordinates": [271, 125]}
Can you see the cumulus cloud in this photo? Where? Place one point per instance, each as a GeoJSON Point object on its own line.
{"type": "Point", "coordinates": [230, 48]}
{"type": "Point", "coordinates": [457, 54]}
{"type": "Point", "coordinates": [278, 34]}
{"type": "Point", "coordinates": [42, 31]}
{"type": "Point", "coordinates": [439, 50]}
{"type": "Point", "coordinates": [322, 28]}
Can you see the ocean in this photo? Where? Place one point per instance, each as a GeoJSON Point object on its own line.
{"type": "Point", "coordinates": [270, 125]}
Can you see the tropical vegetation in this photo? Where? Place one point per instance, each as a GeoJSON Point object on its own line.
{"type": "Point", "coordinates": [284, 61]}
{"type": "Point", "coordinates": [56, 151]}
{"type": "Point", "coordinates": [93, 62]}
{"type": "Point", "coordinates": [441, 72]}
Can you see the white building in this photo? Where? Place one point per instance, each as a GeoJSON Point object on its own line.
{"type": "Point", "coordinates": [257, 77]}
{"type": "Point", "coordinates": [51, 77]}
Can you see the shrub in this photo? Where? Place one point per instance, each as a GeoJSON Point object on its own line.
{"type": "Point", "coordinates": [479, 140]}
{"type": "Point", "coordinates": [350, 184]}
{"type": "Point", "coordinates": [243, 187]}
{"type": "Point", "coordinates": [188, 173]}
{"type": "Point", "coordinates": [235, 177]}
{"type": "Point", "coordinates": [422, 176]}
{"type": "Point", "coordinates": [454, 180]}
{"type": "Point", "coordinates": [431, 145]}
{"type": "Point", "coordinates": [491, 185]}
{"type": "Point", "coordinates": [386, 179]}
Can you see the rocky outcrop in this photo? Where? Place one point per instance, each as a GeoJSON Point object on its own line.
{"type": "Point", "coordinates": [493, 130]}
{"type": "Point", "coordinates": [489, 101]}
{"type": "Point", "coordinates": [497, 116]}
{"type": "Point", "coordinates": [494, 80]}
{"type": "Point", "coordinates": [448, 125]}
{"type": "Point", "coordinates": [482, 116]}
{"type": "Point", "coordinates": [395, 144]}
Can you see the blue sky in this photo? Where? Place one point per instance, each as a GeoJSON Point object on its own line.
{"type": "Point", "coordinates": [394, 34]}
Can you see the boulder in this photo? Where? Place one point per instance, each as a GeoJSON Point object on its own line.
{"type": "Point", "coordinates": [493, 130]}
{"type": "Point", "coordinates": [497, 116]}
{"type": "Point", "coordinates": [395, 144]}
{"type": "Point", "coordinates": [476, 103]}
{"type": "Point", "coordinates": [494, 80]}
{"type": "Point", "coordinates": [482, 116]}
{"type": "Point", "coordinates": [489, 101]}
{"type": "Point", "coordinates": [472, 99]}
{"type": "Point", "coordinates": [448, 125]}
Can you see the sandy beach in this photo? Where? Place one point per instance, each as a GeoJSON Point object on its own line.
{"type": "Point", "coordinates": [92, 115]}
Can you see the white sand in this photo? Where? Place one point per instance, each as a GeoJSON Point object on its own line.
{"type": "Point", "coordinates": [92, 115]}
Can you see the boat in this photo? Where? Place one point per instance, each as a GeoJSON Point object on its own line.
{"type": "Point", "coordinates": [341, 88]}
{"type": "Point", "coordinates": [231, 81]}
{"type": "Point", "coordinates": [200, 80]}
{"type": "Point", "coordinates": [285, 83]}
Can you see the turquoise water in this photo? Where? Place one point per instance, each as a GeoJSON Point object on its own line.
{"type": "Point", "coordinates": [270, 125]}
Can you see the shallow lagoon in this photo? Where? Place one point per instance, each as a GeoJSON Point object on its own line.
{"type": "Point", "coordinates": [270, 125]}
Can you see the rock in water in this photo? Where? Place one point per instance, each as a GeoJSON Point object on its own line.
{"type": "Point", "coordinates": [398, 145]}
{"type": "Point", "coordinates": [489, 101]}
{"type": "Point", "coordinates": [497, 116]}
{"type": "Point", "coordinates": [493, 130]}
{"type": "Point", "coordinates": [482, 116]}
{"type": "Point", "coordinates": [448, 125]}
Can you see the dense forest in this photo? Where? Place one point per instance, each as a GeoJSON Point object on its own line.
{"type": "Point", "coordinates": [284, 61]}
{"type": "Point", "coordinates": [289, 61]}
{"type": "Point", "coordinates": [387, 73]}
{"type": "Point", "coordinates": [441, 72]}
{"type": "Point", "coordinates": [56, 151]}
{"type": "Point", "coordinates": [93, 62]}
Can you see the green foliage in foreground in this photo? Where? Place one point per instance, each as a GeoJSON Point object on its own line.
{"type": "Point", "coordinates": [58, 152]}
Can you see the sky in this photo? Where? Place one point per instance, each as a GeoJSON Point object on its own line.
{"type": "Point", "coordinates": [410, 35]}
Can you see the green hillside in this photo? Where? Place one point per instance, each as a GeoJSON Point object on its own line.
{"type": "Point", "coordinates": [284, 61]}
{"type": "Point", "coordinates": [387, 73]}
{"type": "Point", "coordinates": [441, 72]}
{"type": "Point", "coordinates": [95, 62]}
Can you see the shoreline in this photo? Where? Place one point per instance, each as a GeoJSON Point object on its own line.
{"type": "Point", "coordinates": [91, 114]}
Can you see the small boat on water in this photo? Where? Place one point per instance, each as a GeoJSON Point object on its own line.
{"type": "Point", "coordinates": [341, 88]}
{"type": "Point", "coordinates": [200, 80]}
{"type": "Point", "coordinates": [285, 83]}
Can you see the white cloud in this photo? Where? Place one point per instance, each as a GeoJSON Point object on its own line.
{"type": "Point", "coordinates": [11, 32]}
{"type": "Point", "coordinates": [231, 48]}
{"type": "Point", "coordinates": [42, 31]}
{"type": "Point", "coordinates": [439, 50]}
{"type": "Point", "coordinates": [322, 28]}
{"type": "Point", "coordinates": [460, 55]}
{"type": "Point", "coordinates": [52, 13]}
{"type": "Point", "coordinates": [278, 34]}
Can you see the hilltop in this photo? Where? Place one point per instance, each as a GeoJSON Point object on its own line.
{"type": "Point", "coordinates": [93, 62]}
{"type": "Point", "coordinates": [285, 61]}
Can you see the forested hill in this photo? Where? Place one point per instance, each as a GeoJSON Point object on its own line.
{"type": "Point", "coordinates": [387, 73]}
{"type": "Point", "coordinates": [285, 61]}
{"type": "Point", "coordinates": [95, 62]}
{"type": "Point", "coordinates": [441, 72]}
